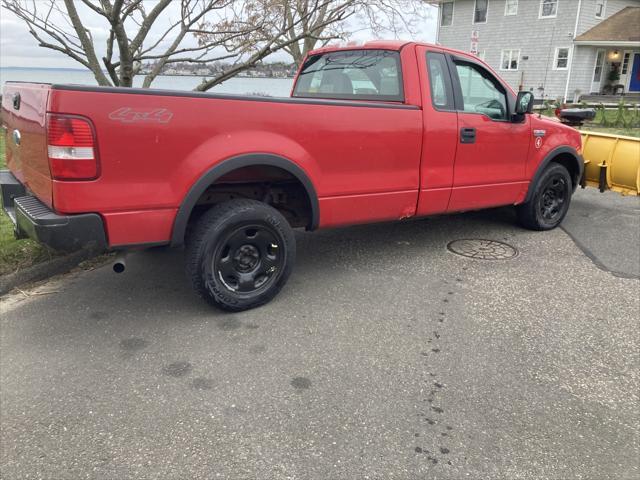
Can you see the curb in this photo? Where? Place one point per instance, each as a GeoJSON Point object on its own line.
{"type": "Point", "coordinates": [44, 270]}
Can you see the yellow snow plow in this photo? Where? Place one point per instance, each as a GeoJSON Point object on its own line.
{"type": "Point", "coordinates": [611, 162]}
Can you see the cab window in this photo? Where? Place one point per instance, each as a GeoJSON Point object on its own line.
{"type": "Point", "coordinates": [439, 82]}
{"type": "Point", "coordinates": [481, 92]}
{"type": "Point", "coordinates": [352, 75]}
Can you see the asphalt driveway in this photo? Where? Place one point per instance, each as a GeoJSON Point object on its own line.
{"type": "Point", "coordinates": [385, 356]}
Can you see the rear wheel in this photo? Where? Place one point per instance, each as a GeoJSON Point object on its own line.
{"type": "Point", "coordinates": [240, 254]}
{"type": "Point", "coordinates": [550, 201]}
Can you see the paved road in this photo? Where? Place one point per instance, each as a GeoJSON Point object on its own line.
{"type": "Point", "coordinates": [606, 226]}
{"type": "Point", "coordinates": [386, 356]}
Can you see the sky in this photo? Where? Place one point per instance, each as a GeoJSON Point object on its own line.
{"type": "Point", "coordinates": [19, 49]}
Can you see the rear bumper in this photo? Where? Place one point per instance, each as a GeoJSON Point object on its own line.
{"type": "Point", "coordinates": [33, 219]}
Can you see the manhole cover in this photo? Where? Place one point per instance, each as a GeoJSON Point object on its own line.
{"type": "Point", "coordinates": [482, 249]}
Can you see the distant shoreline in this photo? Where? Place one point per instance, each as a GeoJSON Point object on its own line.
{"type": "Point", "coordinates": [140, 74]}
{"type": "Point", "coordinates": [207, 76]}
{"type": "Point", "coordinates": [66, 69]}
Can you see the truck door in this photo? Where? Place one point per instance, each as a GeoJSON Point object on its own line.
{"type": "Point", "coordinates": [439, 134]}
{"type": "Point", "coordinates": [492, 149]}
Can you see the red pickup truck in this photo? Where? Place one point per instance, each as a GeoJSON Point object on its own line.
{"type": "Point", "coordinates": [380, 132]}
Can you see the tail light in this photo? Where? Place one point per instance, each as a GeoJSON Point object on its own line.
{"type": "Point", "coordinates": [71, 145]}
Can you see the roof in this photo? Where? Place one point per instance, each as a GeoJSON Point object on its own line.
{"type": "Point", "coordinates": [375, 44]}
{"type": "Point", "coordinates": [619, 29]}
{"type": "Point", "coordinates": [399, 45]}
{"type": "Point", "coordinates": [386, 45]}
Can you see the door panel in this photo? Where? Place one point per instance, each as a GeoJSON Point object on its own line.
{"type": "Point", "coordinates": [492, 150]}
{"type": "Point", "coordinates": [498, 154]}
{"type": "Point", "coordinates": [440, 125]}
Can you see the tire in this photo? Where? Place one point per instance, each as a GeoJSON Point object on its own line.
{"type": "Point", "coordinates": [550, 201]}
{"type": "Point", "coordinates": [240, 254]}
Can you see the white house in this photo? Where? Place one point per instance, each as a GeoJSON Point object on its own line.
{"type": "Point", "coordinates": [555, 48]}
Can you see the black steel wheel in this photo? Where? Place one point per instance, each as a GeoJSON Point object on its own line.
{"type": "Point", "coordinates": [550, 201]}
{"type": "Point", "coordinates": [249, 258]}
{"type": "Point", "coordinates": [554, 195]}
{"type": "Point", "coordinates": [240, 254]}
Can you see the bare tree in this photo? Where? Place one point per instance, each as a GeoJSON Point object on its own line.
{"type": "Point", "coordinates": [239, 32]}
{"type": "Point", "coordinates": [325, 24]}
{"type": "Point", "coordinates": [278, 25]}
{"type": "Point", "coordinates": [59, 26]}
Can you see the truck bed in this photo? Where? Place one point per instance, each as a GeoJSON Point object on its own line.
{"type": "Point", "coordinates": [152, 146]}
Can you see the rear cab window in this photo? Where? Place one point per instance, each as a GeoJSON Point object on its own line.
{"type": "Point", "coordinates": [352, 75]}
{"type": "Point", "coordinates": [440, 82]}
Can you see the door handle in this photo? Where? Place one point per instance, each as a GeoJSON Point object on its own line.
{"type": "Point", "coordinates": [467, 135]}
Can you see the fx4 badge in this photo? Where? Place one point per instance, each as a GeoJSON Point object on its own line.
{"type": "Point", "coordinates": [130, 115]}
{"type": "Point", "coordinates": [539, 134]}
{"type": "Point", "coordinates": [538, 142]}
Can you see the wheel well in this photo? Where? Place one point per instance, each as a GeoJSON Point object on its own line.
{"type": "Point", "coordinates": [569, 162]}
{"type": "Point", "coordinates": [270, 184]}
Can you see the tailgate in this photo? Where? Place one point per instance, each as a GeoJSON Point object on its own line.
{"type": "Point", "coordinates": [24, 113]}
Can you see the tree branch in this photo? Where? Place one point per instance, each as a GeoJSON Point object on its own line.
{"type": "Point", "coordinates": [87, 44]}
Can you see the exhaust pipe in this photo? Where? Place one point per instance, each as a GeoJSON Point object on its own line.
{"type": "Point", "coordinates": [120, 264]}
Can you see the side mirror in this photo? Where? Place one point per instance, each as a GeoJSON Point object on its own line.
{"type": "Point", "coordinates": [524, 103]}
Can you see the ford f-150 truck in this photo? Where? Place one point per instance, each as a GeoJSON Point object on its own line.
{"type": "Point", "coordinates": [379, 132]}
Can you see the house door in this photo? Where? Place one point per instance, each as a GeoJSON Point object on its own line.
{"type": "Point", "coordinates": [625, 69]}
{"type": "Point", "coordinates": [634, 81]}
{"type": "Point", "coordinates": [598, 72]}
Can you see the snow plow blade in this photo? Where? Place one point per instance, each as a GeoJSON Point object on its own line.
{"type": "Point", "coordinates": [611, 162]}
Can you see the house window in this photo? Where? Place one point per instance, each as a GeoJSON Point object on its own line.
{"type": "Point", "coordinates": [511, 7]}
{"type": "Point", "coordinates": [600, 6]}
{"type": "Point", "coordinates": [446, 14]}
{"type": "Point", "coordinates": [548, 8]}
{"type": "Point", "coordinates": [625, 63]}
{"type": "Point", "coordinates": [480, 11]}
{"type": "Point", "coordinates": [561, 60]}
{"type": "Point", "coordinates": [509, 60]}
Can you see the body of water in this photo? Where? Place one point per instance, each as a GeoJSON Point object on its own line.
{"type": "Point", "coordinates": [275, 87]}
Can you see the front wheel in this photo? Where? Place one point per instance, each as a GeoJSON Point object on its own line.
{"type": "Point", "coordinates": [240, 254]}
{"type": "Point", "coordinates": [550, 201]}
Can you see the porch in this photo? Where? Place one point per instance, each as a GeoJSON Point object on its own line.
{"type": "Point", "coordinates": [629, 99]}
{"type": "Point", "coordinates": [614, 50]}
{"type": "Point", "coordinates": [616, 73]}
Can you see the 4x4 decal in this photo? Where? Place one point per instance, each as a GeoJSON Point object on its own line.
{"type": "Point", "coordinates": [130, 115]}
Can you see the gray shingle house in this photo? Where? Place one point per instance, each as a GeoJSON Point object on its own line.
{"type": "Point", "coordinates": [555, 48]}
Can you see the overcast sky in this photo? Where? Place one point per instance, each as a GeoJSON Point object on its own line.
{"type": "Point", "coordinates": [19, 49]}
